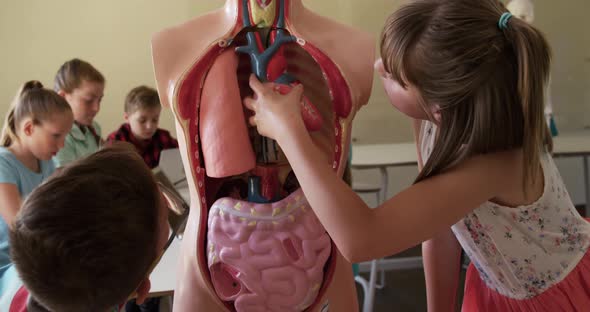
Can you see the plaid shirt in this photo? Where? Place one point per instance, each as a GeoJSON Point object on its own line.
{"type": "Point", "coordinates": [150, 149]}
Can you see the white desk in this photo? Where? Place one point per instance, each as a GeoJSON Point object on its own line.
{"type": "Point", "coordinates": [382, 156]}
{"type": "Point", "coordinates": [576, 144]}
{"type": "Point", "coordinates": [572, 144]}
{"type": "Point", "coordinates": [163, 278]}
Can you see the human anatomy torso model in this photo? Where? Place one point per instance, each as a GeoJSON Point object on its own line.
{"type": "Point", "coordinates": [252, 242]}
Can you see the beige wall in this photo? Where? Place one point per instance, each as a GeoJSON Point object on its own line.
{"type": "Point", "coordinates": [36, 36]}
{"type": "Point", "coordinates": [567, 26]}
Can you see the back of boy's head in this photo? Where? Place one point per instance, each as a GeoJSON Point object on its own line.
{"type": "Point", "coordinates": [141, 98]}
{"type": "Point", "coordinates": [487, 77]}
{"type": "Point", "coordinates": [72, 73]}
{"type": "Point", "coordinates": [33, 101]}
{"type": "Point", "coordinates": [86, 238]}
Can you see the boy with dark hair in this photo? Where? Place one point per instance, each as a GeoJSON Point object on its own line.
{"type": "Point", "coordinates": [84, 229]}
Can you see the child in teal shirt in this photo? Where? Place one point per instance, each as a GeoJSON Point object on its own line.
{"type": "Point", "coordinates": [82, 86]}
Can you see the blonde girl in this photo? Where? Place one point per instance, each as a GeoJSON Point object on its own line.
{"type": "Point", "coordinates": [34, 131]}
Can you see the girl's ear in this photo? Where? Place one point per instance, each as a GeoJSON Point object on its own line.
{"type": "Point", "coordinates": [435, 111]}
{"type": "Point", "coordinates": [28, 127]}
{"type": "Point", "coordinates": [378, 67]}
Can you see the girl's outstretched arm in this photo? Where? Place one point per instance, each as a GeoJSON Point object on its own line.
{"type": "Point", "coordinates": [361, 233]}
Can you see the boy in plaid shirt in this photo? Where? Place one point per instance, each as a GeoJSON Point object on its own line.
{"type": "Point", "coordinates": [142, 114]}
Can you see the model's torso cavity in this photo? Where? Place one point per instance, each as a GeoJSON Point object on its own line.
{"type": "Point", "coordinates": [258, 240]}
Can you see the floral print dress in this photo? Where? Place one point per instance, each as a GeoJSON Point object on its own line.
{"type": "Point", "coordinates": [520, 252]}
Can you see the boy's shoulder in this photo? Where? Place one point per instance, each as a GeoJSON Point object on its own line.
{"type": "Point", "coordinates": [163, 132]}
{"type": "Point", "coordinates": [123, 133]}
{"type": "Point", "coordinates": [165, 138]}
{"type": "Point", "coordinates": [13, 294]}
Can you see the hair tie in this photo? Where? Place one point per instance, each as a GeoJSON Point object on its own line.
{"type": "Point", "coordinates": [503, 22]}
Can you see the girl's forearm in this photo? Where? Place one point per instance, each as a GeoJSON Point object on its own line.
{"type": "Point", "coordinates": [344, 214]}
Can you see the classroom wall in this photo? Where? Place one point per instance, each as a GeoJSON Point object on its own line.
{"type": "Point", "coordinates": [36, 36]}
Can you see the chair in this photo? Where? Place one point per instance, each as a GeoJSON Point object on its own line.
{"type": "Point", "coordinates": [370, 285]}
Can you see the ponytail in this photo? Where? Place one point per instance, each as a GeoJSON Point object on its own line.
{"type": "Point", "coordinates": [533, 58]}
{"type": "Point", "coordinates": [8, 130]}
{"type": "Point", "coordinates": [30, 85]}
{"type": "Point", "coordinates": [31, 100]}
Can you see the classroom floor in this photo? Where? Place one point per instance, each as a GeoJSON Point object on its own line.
{"type": "Point", "coordinates": [404, 291]}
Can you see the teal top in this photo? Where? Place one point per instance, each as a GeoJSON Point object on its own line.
{"type": "Point", "coordinates": [78, 144]}
{"type": "Point", "coordinates": [13, 171]}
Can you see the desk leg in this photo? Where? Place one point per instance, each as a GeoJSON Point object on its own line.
{"type": "Point", "coordinates": [370, 294]}
{"type": "Point", "coordinates": [587, 185]}
{"type": "Point", "coordinates": [384, 185]}
{"type": "Point", "coordinates": [383, 195]}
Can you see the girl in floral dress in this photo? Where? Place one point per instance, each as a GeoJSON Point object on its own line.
{"type": "Point", "coordinates": [472, 77]}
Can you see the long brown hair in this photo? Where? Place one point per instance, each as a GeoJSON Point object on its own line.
{"type": "Point", "coordinates": [488, 81]}
{"type": "Point", "coordinates": [34, 101]}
